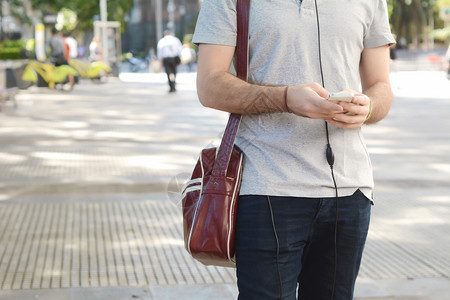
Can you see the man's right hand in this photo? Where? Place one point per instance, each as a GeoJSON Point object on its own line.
{"type": "Point", "coordinates": [309, 100]}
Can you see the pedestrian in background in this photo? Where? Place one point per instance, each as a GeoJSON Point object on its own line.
{"type": "Point", "coordinates": [306, 193]}
{"type": "Point", "coordinates": [188, 56]}
{"type": "Point", "coordinates": [169, 51]}
{"type": "Point", "coordinates": [447, 56]}
{"type": "Point", "coordinates": [73, 45]}
{"type": "Point", "coordinates": [57, 48]}
{"type": "Point", "coordinates": [58, 55]}
{"type": "Point", "coordinates": [95, 50]}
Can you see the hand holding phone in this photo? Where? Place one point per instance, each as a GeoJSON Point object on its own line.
{"type": "Point", "coordinates": [343, 96]}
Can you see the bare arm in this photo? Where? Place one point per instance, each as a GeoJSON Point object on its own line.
{"type": "Point", "coordinates": [374, 69]}
{"type": "Point", "coordinates": [219, 89]}
{"type": "Point", "coordinates": [376, 88]}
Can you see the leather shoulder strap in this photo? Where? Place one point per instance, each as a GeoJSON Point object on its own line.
{"type": "Point", "coordinates": [243, 17]}
{"type": "Point", "coordinates": [226, 146]}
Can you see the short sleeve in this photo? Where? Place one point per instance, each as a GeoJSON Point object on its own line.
{"type": "Point", "coordinates": [216, 23]}
{"type": "Point", "coordinates": [379, 32]}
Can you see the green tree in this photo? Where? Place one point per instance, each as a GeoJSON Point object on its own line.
{"type": "Point", "coordinates": [67, 19]}
{"type": "Point", "coordinates": [85, 10]}
{"type": "Point", "coordinates": [414, 20]}
{"type": "Point", "coordinates": [16, 10]}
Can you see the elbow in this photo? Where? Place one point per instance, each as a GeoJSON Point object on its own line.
{"type": "Point", "coordinates": [204, 90]}
{"type": "Point", "coordinates": [389, 100]}
{"type": "Point", "coordinates": [202, 93]}
{"type": "Point", "coordinates": [204, 101]}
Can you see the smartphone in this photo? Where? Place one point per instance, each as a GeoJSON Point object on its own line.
{"type": "Point", "coordinates": [344, 96]}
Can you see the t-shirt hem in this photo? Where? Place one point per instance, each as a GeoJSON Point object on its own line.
{"type": "Point", "coordinates": [216, 41]}
{"type": "Point", "coordinates": [324, 193]}
{"type": "Point", "coordinates": [377, 42]}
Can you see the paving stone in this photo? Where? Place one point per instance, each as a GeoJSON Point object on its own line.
{"type": "Point", "coordinates": [87, 224]}
{"type": "Point", "coordinates": [110, 293]}
{"type": "Point", "coordinates": [87, 181]}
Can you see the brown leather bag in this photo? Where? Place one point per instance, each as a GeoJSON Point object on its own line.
{"type": "Point", "coordinates": [210, 198]}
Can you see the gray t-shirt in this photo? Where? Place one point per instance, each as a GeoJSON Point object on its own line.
{"type": "Point", "coordinates": [285, 153]}
{"type": "Point", "coordinates": [56, 45]}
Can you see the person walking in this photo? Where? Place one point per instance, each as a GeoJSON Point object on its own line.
{"type": "Point", "coordinates": [169, 51]}
{"type": "Point", "coordinates": [306, 192]}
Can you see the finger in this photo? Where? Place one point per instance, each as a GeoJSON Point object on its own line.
{"type": "Point", "coordinates": [343, 125]}
{"type": "Point", "coordinates": [353, 113]}
{"type": "Point", "coordinates": [361, 99]}
{"type": "Point", "coordinates": [320, 90]}
{"type": "Point", "coordinates": [330, 106]}
{"type": "Point", "coordinates": [355, 109]}
{"type": "Point", "coordinates": [321, 110]}
{"type": "Point", "coordinates": [305, 101]}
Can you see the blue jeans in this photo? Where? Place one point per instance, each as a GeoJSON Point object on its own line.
{"type": "Point", "coordinates": [285, 242]}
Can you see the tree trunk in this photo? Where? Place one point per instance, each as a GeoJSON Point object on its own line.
{"type": "Point", "coordinates": [423, 21]}
{"type": "Point", "coordinates": [402, 30]}
{"type": "Point", "coordinates": [28, 30]}
{"type": "Point", "coordinates": [415, 28]}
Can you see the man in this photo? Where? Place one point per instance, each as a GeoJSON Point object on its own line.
{"type": "Point", "coordinates": [291, 228]}
{"type": "Point", "coordinates": [169, 51]}
{"type": "Point", "coordinates": [57, 48]}
{"type": "Point", "coordinates": [57, 55]}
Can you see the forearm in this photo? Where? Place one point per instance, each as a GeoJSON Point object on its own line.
{"type": "Point", "coordinates": [381, 96]}
{"type": "Point", "coordinates": [219, 89]}
{"type": "Point", "coordinates": [224, 91]}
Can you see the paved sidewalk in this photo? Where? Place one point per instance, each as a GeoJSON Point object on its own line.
{"type": "Point", "coordinates": [88, 208]}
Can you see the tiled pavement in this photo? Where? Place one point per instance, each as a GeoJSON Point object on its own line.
{"type": "Point", "coordinates": [88, 209]}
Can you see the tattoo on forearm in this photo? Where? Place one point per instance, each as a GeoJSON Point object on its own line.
{"type": "Point", "coordinates": [259, 103]}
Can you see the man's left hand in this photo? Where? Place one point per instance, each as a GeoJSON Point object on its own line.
{"type": "Point", "coordinates": [355, 112]}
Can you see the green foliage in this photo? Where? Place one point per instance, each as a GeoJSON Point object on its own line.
{"type": "Point", "coordinates": [187, 39]}
{"type": "Point", "coordinates": [411, 21]}
{"type": "Point", "coordinates": [442, 34]}
{"type": "Point", "coordinates": [16, 49]}
{"type": "Point", "coordinates": [441, 3]}
{"type": "Point", "coordinates": [16, 10]}
{"type": "Point", "coordinates": [13, 44]}
{"type": "Point", "coordinates": [117, 9]}
{"type": "Point", "coordinates": [67, 20]}
{"type": "Point", "coordinates": [85, 9]}
{"type": "Point", "coordinates": [9, 53]}
{"type": "Point", "coordinates": [390, 5]}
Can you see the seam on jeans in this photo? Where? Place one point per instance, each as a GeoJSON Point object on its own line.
{"type": "Point", "coordinates": [278, 246]}
{"type": "Point", "coordinates": [318, 210]}
{"type": "Point", "coordinates": [311, 230]}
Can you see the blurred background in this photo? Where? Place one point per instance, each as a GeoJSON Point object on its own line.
{"type": "Point", "coordinates": [127, 28]}
{"type": "Point", "coordinates": [90, 179]}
